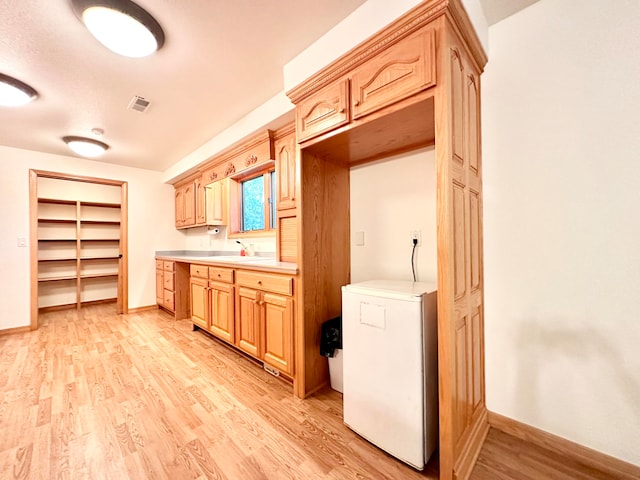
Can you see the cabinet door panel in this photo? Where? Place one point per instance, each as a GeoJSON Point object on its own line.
{"type": "Point", "coordinates": [199, 302]}
{"type": "Point", "coordinates": [179, 203]}
{"type": "Point", "coordinates": [398, 72]}
{"type": "Point", "coordinates": [216, 203]}
{"type": "Point", "coordinates": [189, 205]}
{"type": "Point", "coordinates": [222, 311]}
{"type": "Point", "coordinates": [248, 321]}
{"type": "Point", "coordinates": [323, 111]}
{"type": "Point", "coordinates": [278, 332]}
{"type": "Point", "coordinates": [287, 172]}
{"type": "Point", "coordinates": [201, 216]}
{"type": "Point", "coordinates": [159, 286]}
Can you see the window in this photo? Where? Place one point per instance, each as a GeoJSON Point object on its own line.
{"type": "Point", "coordinates": [257, 202]}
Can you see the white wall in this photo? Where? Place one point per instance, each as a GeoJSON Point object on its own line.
{"type": "Point", "coordinates": [150, 228]}
{"type": "Point", "coordinates": [389, 199]}
{"type": "Point", "coordinates": [199, 239]}
{"type": "Point", "coordinates": [562, 234]}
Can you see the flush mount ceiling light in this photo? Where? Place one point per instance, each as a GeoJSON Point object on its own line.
{"type": "Point", "coordinates": [86, 147]}
{"type": "Point", "coordinates": [14, 93]}
{"type": "Point", "coordinates": [121, 25]}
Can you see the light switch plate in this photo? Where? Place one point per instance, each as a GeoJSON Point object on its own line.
{"type": "Point", "coordinates": [359, 239]}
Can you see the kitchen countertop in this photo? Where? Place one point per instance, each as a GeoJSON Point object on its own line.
{"type": "Point", "coordinates": [263, 263]}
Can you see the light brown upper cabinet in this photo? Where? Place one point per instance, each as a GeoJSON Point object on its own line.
{"type": "Point", "coordinates": [216, 199]}
{"type": "Point", "coordinates": [286, 171]}
{"type": "Point", "coordinates": [202, 198]}
{"type": "Point", "coordinates": [403, 69]}
{"type": "Point", "coordinates": [323, 111]}
{"type": "Point", "coordinates": [201, 201]}
{"type": "Point", "coordinates": [185, 202]}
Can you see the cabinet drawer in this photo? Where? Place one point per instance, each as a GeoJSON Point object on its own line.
{"type": "Point", "coordinates": [265, 281]}
{"type": "Point", "coordinates": [159, 264]}
{"type": "Point", "coordinates": [201, 271]}
{"type": "Point", "coordinates": [323, 111]}
{"type": "Point", "coordinates": [398, 72]}
{"type": "Point", "coordinates": [168, 281]}
{"type": "Point", "coordinates": [168, 300]}
{"type": "Point", "coordinates": [221, 274]}
{"type": "Point", "coordinates": [167, 266]}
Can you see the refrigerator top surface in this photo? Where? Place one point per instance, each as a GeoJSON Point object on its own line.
{"type": "Point", "coordinates": [391, 288]}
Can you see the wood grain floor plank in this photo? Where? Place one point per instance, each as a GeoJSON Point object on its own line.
{"type": "Point", "coordinates": [96, 395]}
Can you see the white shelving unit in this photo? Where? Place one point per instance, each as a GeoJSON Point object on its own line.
{"type": "Point", "coordinates": [78, 251]}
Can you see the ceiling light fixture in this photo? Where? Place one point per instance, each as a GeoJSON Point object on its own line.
{"type": "Point", "coordinates": [14, 93]}
{"type": "Point", "coordinates": [86, 147]}
{"type": "Point", "coordinates": [121, 25]}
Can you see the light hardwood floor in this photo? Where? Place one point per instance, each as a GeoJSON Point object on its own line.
{"type": "Point", "coordinates": [95, 395]}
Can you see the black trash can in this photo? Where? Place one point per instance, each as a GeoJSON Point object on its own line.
{"type": "Point", "coordinates": [331, 347]}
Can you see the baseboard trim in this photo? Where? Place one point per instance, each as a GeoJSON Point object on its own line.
{"type": "Point", "coordinates": [13, 331]}
{"type": "Point", "coordinates": [616, 468]}
{"type": "Point", "coordinates": [143, 309]}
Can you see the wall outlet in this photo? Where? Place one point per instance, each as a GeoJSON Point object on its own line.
{"type": "Point", "coordinates": [416, 235]}
{"type": "Point", "coordinates": [22, 241]}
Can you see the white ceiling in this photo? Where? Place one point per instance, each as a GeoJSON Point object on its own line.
{"type": "Point", "coordinates": [221, 59]}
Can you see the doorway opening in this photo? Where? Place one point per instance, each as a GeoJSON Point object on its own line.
{"type": "Point", "coordinates": [78, 242]}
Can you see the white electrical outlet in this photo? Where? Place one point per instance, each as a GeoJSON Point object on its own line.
{"type": "Point", "coordinates": [22, 241]}
{"type": "Point", "coordinates": [416, 235]}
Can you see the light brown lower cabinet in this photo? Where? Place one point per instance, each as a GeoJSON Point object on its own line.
{"type": "Point", "coordinates": [264, 327]}
{"type": "Point", "coordinates": [165, 285]}
{"type": "Point", "coordinates": [248, 321]}
{"type": "Point", "coordinates": [199, 299]}
{"type": "Point", "coordinates": [258, 321]}
{"type": "Point", "coordinates": [278, 332]}
{"type": "Point", "coordinates": [212, 302]}
{"type": "Point", "coordinates": [222, 311]}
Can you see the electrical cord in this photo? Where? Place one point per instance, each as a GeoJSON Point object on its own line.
{"type": "Point", "coordinates": [413, 253]}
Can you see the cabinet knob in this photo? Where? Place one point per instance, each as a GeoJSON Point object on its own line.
{"type": "Point", "coordinates": [356, 103]}
{"type": "Point", "coordinates": [259, 282]}
{"type": "Point", "coordinates": [342, 110]}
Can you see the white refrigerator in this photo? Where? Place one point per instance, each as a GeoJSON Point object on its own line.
{"type": "Point", "coordinates": [390, 366]}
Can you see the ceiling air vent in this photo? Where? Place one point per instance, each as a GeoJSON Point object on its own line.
{"type": "Point", "coordinates": [139, 104]}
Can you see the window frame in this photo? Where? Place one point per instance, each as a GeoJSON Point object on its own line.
{"type": "Point", "coordinates": [236, 212]}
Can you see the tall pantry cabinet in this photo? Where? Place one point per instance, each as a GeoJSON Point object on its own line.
{"type": "Point", "coordinates": [416, 83]}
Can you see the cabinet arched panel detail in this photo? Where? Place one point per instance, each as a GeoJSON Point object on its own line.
{"type": "Point", "coordinates": [286, 170]}
{"type": "Point", "coordinates": [323, 111]}
{"type": "Point", "coordinates": [457, 100]}
{"type": "Point", "coordinates": [320, 111]}
{"type": "Point", "coordinates": [473, 127]}
{"type": "Point", "coordinates": [400, 71]}
{"type": "Point", "coordinates": [387, 76]}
